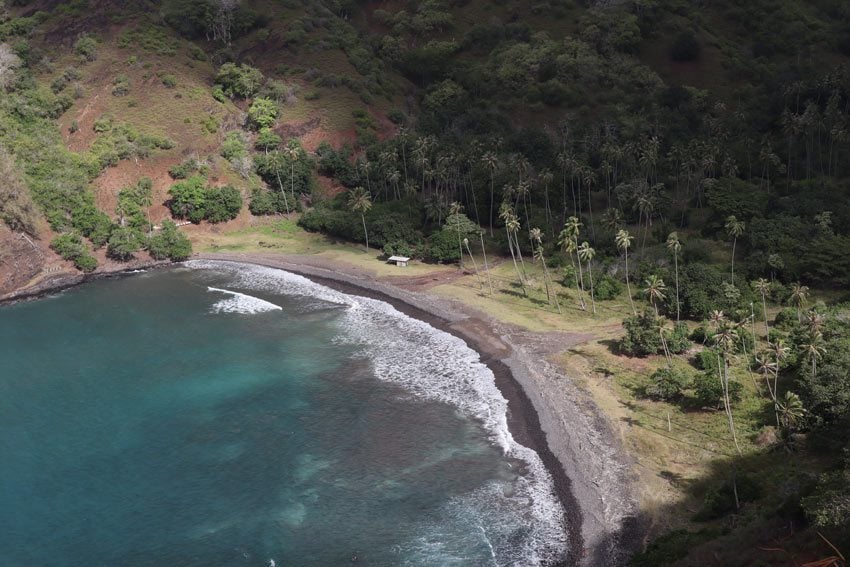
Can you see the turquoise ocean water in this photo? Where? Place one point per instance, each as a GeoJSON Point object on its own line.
{"type": "Point", "coordinates": [221, 414]}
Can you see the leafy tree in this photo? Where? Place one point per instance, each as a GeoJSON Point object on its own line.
{"type": "Point", "coordinates": [124, 243]}
{"type": "Point", "coordinates": [86, 47]}
{"type": "Point", "coordinates": [222, 204]}
{"type": "Point", "coordinates": [667, 384]}
{"type": "Point", "coordinates": [643, 335]}
{"type": "Point", "coordinates": [188, 199]}
{"type": "Point", "coordinates": [239, 81]}
{"type": "Point", "coordinates": [262, 113]}
{"type": "Point", "coordinates": [170, 243]}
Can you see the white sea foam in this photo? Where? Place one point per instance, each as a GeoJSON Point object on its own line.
{"type": "Point", "coordinates": [241, 303]}
{"type": "Point", "coordinates": [436, 365]}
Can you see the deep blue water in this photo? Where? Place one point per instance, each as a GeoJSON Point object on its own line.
{"type": "Point", "coordinates": [162, 419]}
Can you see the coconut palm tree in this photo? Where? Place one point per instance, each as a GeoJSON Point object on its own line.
{"type": "Point", "coordinates": [724, 340]}
{"type": "Point", "coordinates": [474, 264]}
{"type": "Point", "coordinates": [537, 237]}
{"type": "Point", "coordinates": [734, 228]}
{"type": "Point", "coordinates": [813, 321]}
{"type": "Point", "coordinates": [491, 162]}
{"type": "Point", "coordinates": [360, 201]}
{"type": "Point", "coordinates": [813, 350]}
{"type": "Point", "coordinates": [654, 291]}
{"type": "Point", "coordinates": [569, 242]}
{"type": "Point", "coordinates": [293, 151]}
{"type": "Point", "coordinates": [506, 213]}
{"type": "Point", "coordinates": [791, 410]}
{"type": "Point", "coordinates": [675, 246]}
{"type": "Point", "coordinates": [586, 253]}
{"type": "Point", "coordinates": [456, 209]}
{"type": "Point", "coordinates": [624, 240]}
{"type": "Point", "coordinates": [762, 287]}
{"type": "Point", "coordinates": [798, 298]}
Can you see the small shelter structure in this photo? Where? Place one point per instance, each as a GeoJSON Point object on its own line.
{"type": "Point", "coordinates": [399, 261]}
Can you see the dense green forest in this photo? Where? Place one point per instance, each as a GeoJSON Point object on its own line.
{"type": "Point", "coordinates": [691, 157]}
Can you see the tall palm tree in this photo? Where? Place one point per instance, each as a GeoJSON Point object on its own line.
{"type": "Point", "coordinates": [675, 246]}
{"type": "Point", "coordinates": [293, 151]}
{"type": "Point", "coordinates": [586, 253]}
{"type": "Point", "coordinates": [474, 264]}
{"type": "Point", "coordinates": [724, 339]}
{"type": "Point", "coordinates": [537, 237]}
{"type": "Point", "coordinates": [486, 267]}
{"type": "Point", "coordinates": [491, 162]}
{"type": "Point", "coordinates": [798, 298]}
{"type": "Point", "coordinates": [654, 291]}
{"type": "Point", "coordinates": [624, 240]}
{"type": "Point", "coordinates": [456, 209]}
{"type": "Point", "coordinates": [360, 201]}
{"type": "Point", "coordinates": [791, 409]}
{"type": "Point", "coordinates": [762, 287]}
{"type": "Point", "coordinates": [569, 242]}
{"type": "Point", "coordinates": [507, 215]}
{"type": "Point", "coordinates": [813, 350]}
{"type": "Point", "coordinates": [734, 228]}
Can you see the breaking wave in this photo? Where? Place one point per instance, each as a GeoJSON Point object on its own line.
{"type": "Point", "coordinates": [241, 303]}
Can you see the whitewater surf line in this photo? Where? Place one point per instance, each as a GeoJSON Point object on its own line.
{"type": "Point", "coordinates": [241, 303]}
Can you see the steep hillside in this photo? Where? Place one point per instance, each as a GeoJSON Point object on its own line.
{"type": "Point", "coordinates": [604, 147]}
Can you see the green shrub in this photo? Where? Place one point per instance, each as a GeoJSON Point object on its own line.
{"type": "Point", "coordinates": [706, 360]}
{"type": "Point", "coordinates": [170, 243]}
{"type": "Point", "coordinates": [239, 81]}
{"type": "Point", "coordinates": [643, 335]}
{"type": "Point", "coordinates": [120, 85]}
{"type": "Point", "coordinates": [188, 199]}
{"type": "Point", "coordinates": [124, 243]}
{"type": "Point", "coordinates": [170, 81]}
{"type": "Point", "coordinates": [262, 113]}
{"type": "Point", "coordinates": [222, 204]}
{"type": "Point", "coordinates": [68, 245]}
{"type": "Point", "coordinates": [607, 288]}
{"type": "Point", "coordinates": [184, 169]}
{"type": "Point", "coordinates": [708, 392]}
{"type": "Point", "coordinates": [677, 339]}
{"type": "Point", "coordinates": [667, 384]}
{"type": "Point", "coordinates": [86, 47]}
{"type": "Point", "coordinates": [399, 248]}
{"type": "Point", "coordinates": [234, 146]}
{"type": "Point", "coordinates": [85, 263]}
{"type": "Point", "coordinates": [443, 247]}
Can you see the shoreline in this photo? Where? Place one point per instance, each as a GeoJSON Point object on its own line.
{"type": "Point", "coordinates": [591, 472]}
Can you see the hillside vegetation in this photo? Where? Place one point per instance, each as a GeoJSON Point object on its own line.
{"type": "Point", "coordinates": [681, 167]}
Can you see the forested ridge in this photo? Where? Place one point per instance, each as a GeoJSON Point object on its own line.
{"type": "Point", "coordinates": [683, 164]}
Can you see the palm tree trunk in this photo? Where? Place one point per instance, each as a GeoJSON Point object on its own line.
{"type": "Point", "coordinates": [365, 232]}
{"type": "Point", "coordinates": [475, 265]}
{"type": "Point", "coordinates": [734, 243]}
{"type": "Point", "coordinates": [516, 267]}
{"type": "Point", "coordinates": [764, 310]}
{"type": "Point", "coordinates": [486, 268]}
{"type": "Point", "coordinates": [581, 281]}
{"type": "Point", "coordinates": [590, 273]}
{"type": "Point", "coordinates": [676, 262]}
{"type": "Point", "coordinates": [724, 381]}
{"type": "Point", "coordinates": [628, 286]}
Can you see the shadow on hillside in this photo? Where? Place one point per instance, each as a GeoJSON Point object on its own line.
{"type": "Point", "coordinates": [768, 527]}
